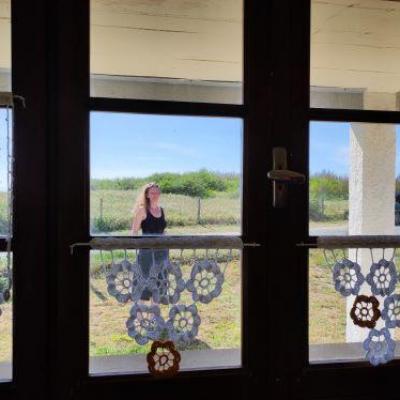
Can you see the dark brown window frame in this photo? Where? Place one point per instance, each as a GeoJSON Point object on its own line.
{"type": "Point", "coordinates": [72, 107]}
{"type": "Point", "coordinates": [30, 273]}
{"type": "Point", "coordinates": [51, 69]}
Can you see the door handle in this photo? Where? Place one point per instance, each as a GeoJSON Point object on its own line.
{"type": "Point", "coordinates": [286, 176]}
{"type": "Point", "coordinates": [281, 177]}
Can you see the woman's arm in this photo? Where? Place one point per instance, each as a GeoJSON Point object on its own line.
{"type": "Point", "coordinates": [137, 220]}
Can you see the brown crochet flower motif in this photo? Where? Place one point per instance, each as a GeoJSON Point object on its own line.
{"type": "Point", "coordinates": [163, 359]}
{"type": "Point", "coordinates": [365, 311]}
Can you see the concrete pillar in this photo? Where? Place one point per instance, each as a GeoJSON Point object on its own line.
{"type": "Point", "coordinates": [371, 190]}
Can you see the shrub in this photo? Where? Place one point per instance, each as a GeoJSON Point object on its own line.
{"type": "Point", "coordinates": [201, 183]}
{"type": "Point", "coordinates": [329, 186]}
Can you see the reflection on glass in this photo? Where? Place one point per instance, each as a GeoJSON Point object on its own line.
{"type": "Point", "coordinates": [354, 179]}
{"type": "Point", "coordinates": [165, 175]}
{"type": "Point", "coordinates": [355, 59]}
{"type": "Point", "coordinates": [126, 317]}
{"type": "Point", "coordinates": [5, 45]}
{"type": "Point", "coordinates": [5, 120]}
{"type": "Point", "coordinates": [167, 50]}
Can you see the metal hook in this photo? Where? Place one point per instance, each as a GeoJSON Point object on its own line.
{"type": "Point", "coordinates": [334, 255]}
{"type": "Point", "coordinates": [393, 254]}
{"type": "Point", "coordinates": [372, 255]}
{"type": "Point", "coordinates": [112, 256]}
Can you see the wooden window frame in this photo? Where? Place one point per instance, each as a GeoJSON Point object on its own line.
{"type": "Point", "coordinates": [72, 105]}
{"type": "Point", "coordinates": [51, 69]}
{"type": "Point", "coordinates": [29, 243]}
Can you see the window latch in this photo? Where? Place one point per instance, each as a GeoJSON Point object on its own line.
{"type": "Point", "coordinates": [281, 177]}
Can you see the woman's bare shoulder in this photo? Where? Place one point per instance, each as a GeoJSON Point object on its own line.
{"type": "Point", "coordinates": [141, 212]}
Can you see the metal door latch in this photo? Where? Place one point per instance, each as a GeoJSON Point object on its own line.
{"type": "Point", "coordinates": [282, 177]}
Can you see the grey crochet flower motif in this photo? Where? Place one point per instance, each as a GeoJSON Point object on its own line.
{"type": "Point", "coordinates": [183, 323]}
{"type": "Point", "coordinates": [379, 346]}
{"type": "Point", "coordinates": [391, 311]}
{"type": "Point", "coordinates": [125, 281]}
{"type": "Point", "coordinates": [205, 281]}
{"type": "Point", "coordinates": [347, 277]}
{"type": "Point", "coordinates": [168, 284]}
{"type": "Point", "coordinates": [145, 323]}
{"type": "Point", "coordinates": [382, 278]}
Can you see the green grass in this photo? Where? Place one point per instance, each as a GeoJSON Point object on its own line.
{"type": "Point", "coordinates": [336, 209]}
{"type": "Point", "coordinates": [180, 210]}
{"type": "Point", "coordinates": [333, 210]}
{"type": "Point", "coordinates": [5, 332]}
{"type": "Point", "coordinates": [3, 213]}
{"type": "Point", "coordinates": [220, 326]}
{"type": "Point", "coordinates": [327, 318]}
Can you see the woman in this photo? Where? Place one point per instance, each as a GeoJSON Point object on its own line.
{"type": "Point", "coordinates": [149, 217]}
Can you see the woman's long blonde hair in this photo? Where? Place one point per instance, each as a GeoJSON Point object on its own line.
{"type": "Point", "coordinates": [142, 200]}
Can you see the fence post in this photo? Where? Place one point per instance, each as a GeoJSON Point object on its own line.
{"type": "Point", "coordinates": [101, 208]}
{"type": "Point", "coordinates": [198, 210]}
{"type": "Point", "coordinates": [322, 199]}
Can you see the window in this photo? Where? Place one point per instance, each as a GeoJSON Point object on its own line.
{"type": "Point", "coordinates": [189, 291]}
{"type": "Point", "coordinates": [353, 187]}
{"type": "Point", "coordinates": [6, 308]}
{"type": "Point", "coordinates": [197, 161]}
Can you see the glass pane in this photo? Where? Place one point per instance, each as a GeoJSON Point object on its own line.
{"type": "Point", "coordinates": [5, 272]}
{"type": "Point", "coordinates": [120, 337]}
{"type": "Point", "coordinates": [167, 50]}
{"type": "Point", "coordinates": [354, 179]}
{"type": "Point", "coordinates": [195, 161]}
{"type": "Point", "coordinates": [344, 325]}
{"type": "Point", "coordinates": [5, 124]}
{"type": "Point", "coordinates": [6, 322]}
{"type": "Point", "coordinates": [355, 58]}
{"type": "Point", "coordinates": [5, 45]}
{"type": "Point", "coordinates": [327, 310]}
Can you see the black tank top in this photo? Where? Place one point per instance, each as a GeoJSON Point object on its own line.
{"type": "Point", "coordinates": [152, 224]}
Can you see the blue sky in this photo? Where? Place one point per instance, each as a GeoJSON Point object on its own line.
{"type": "Point", "coordinates": [139, 145]}
{"type": "Point", "coordinates": [329, 147]}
